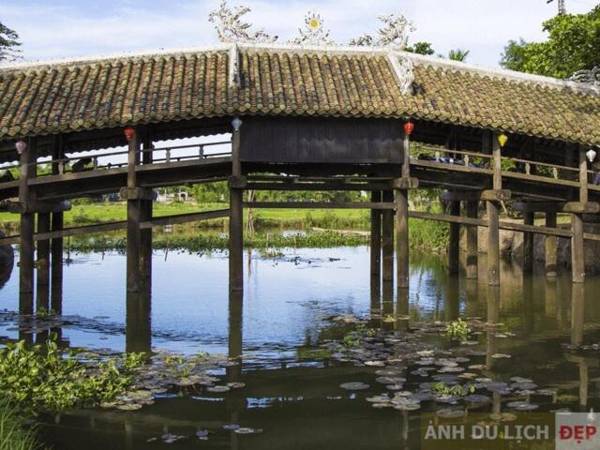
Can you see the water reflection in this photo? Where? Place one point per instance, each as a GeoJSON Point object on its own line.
{"type": "Point", "coordinates": [297, 399]}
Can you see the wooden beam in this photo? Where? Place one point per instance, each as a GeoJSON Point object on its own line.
{"type": "Point", "coordinates": [388, 241]}
{"type": "Point", "coordinates": [528, 241]}
{"type": "Point", "coordinates": [184, 218]}
{"type": "Point", "coordinates": [302, 186]}
{"type": "Point", "coordinates": [526, 207]}
{"type": "Point", "coordinates": [375, 260]}
{"type": "Point", "coordinates": [493, 242]}
{"type": "Point", "coordinates": [321, 205]}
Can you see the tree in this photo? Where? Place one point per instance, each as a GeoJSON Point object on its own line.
{"type": "Point", "coordinates": [9, 43]}
{"type": "Point", "coordinates": [573, 44]}
{"type": "Point", "coordinates": [458, 55]}
{"type": "Point", "coordinates": [421, 47]}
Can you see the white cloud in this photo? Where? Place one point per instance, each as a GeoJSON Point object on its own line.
{"type": "Point", "coordinates": [77, 29]}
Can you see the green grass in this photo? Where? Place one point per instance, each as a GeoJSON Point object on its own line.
{"type": "Point", "coordinates": [14, 434]}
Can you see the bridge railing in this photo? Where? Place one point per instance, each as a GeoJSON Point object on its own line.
{"type": "Point", "coordinates": [118, 159]}
{"type": "Point", "coordinates": [510, 165]}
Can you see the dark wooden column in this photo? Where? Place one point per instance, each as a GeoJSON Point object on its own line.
{"type": "Point", "coordinates": [402, 187]}
{"type": "Point", "coordinates": [146, 205]}
{"type": "Point", "coordinates": [493, 213]}
{"type": "Point", "coordinates": [134, 216]}
{"type": "Point", "coordinates": [551, 247]}
{"type": "Point", "coordinates": [236, 213]}
{"type": "Point", "coordinates": [472, 207]}
{"type": "Point", "coordinates": [27, 153]}
{"type": "Point", "coordinates": [577, 244]}
{"type": "Point", "coordinates": [375, 244]}
{"type": "Point", "coordinates": [454, 240]}
{"type": "Point", "coordinates": [43, 265]}
{"type": "Point", "coordinates": [387, 240]}
{"type": "Point", "coordinates": [528, 237]}
{"type": "Point", "coordinates": [57, 243]}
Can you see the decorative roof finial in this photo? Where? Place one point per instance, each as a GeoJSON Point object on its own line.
{"type": "Point", "coordinates": [590, 77]}
{"type": "Point", "coordinates": [231, 29]}
{"type": "Point", "coordinates": [393, 34]}
{"type": "Point", "coordinates": [313, 33]}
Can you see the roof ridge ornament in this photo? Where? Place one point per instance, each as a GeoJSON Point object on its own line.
{"type": "Point", "coordinates": [589, 77]}
{"type": "Point", "coordinates": [231, 29]}
{"type": "Point", "coordinates": [313, 33]}
{"type": "Point", "coordinates": [393, 34]}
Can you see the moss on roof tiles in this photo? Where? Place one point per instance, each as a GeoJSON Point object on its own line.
{"type": "Point", "coordinates": [116, 92]}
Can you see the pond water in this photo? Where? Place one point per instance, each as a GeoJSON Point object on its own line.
{"type": "Point", "coordinates": [292, 392]}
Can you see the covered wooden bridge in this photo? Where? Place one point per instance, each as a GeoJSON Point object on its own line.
{"type": "Point", "coordinates": [300, 118]}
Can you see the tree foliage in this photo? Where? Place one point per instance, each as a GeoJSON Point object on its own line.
{"type": "Point", "coordinates": [9, 43]}
{"type": "Point", "coordinates": [573, 44]}
{"type": "Point", "coordinates": [421, 47]}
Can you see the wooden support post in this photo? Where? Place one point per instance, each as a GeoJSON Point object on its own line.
{"type": "Point", "coordinates": [401, 225]}
{"type": "Point", "coordinates": [57, 265]}
{"type": "Point", "coordinates": [375, 244]}
{"type": "Point", "coordinates": [43, 266]}
{"type": "Point", "coordinates": [493, 244]}
{"type": "Point", "coordinates": [529, 219]}
{"type": "Point", "coordinates": [146, 215]}
{"type": "Point", "coordinates": [577, 248]}
{"type": "Point", "coordinates": [454, 243]}
{"type": "Point", "coordinates": [57, 243]}
{"type": "Point", "coordinates": [27, 153]}
{"type": "Point", "coordinates": [387, 240]}
{"type": "Point", "coordinates": [236, 214]}
{"type": "Point", "coordinates": [472, 208]}
{"type": "Point", "coordinates": [551, 247]}
{"type": "Point", "coordinates": [134, 218]}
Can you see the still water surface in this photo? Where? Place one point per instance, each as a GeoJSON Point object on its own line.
{"type": "Point", "coordinates": [287, 308]}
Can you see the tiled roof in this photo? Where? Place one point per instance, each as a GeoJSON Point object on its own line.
{"type": "Point", "coordinates": [50, 99]}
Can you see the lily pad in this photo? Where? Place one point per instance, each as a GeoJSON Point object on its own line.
{"type": "Point", "coordinates": [354, 386]}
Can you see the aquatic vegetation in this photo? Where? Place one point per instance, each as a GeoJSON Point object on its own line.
{"type": "Point", "coordinates": [442, 389]}
{"type": "Point", "coordinates": [458, 329]}
{"type": "Point", "coordinates": [43, 378]}
{"type": "Point", "coordinates": [14, 434]}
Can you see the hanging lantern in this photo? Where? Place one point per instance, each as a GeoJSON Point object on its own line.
{"type": "Point", "coordinates": [409, 127]}
{"type": "Point", "coordinates": [502, 140]}
{"type": "Point", "coordinates": [21, 146]}
{"type": "Point", "coordinates": [591, 155]}
{"type": "Point", "coordinates": [129, 133]}
{"type": "Point", "coordinates": [236, 123]}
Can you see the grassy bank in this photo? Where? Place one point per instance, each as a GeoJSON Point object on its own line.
{"type": "Point", "coordinates": [14, 434]}
{"type": "Point", "coordinates": [424, 235]}
{"type": "Point", "coordinates": [86, 214]}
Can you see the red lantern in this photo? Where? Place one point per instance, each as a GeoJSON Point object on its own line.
{"type": "Point", "coordinates": [409, 127]}
{"type": "Point", "coordinates": [129, 133]}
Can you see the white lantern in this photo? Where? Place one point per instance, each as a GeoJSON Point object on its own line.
{"type": "Point", "coordinates": [21, 146]}
{"type": "Point", "coordinates": [591, 155]}
{"type": "Point", "coordinates": [236, 123]}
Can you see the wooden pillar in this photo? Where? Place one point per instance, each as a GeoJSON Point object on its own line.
{"type": "Point", "coordinates": [27, 153]}
{"type": "Point", "coordinates": [401, 225]}
{"type": "Point", "coordinates": [577, 249]}
{"type": "Point", "coordinates": [551, 247]}
{"type": "Point", "coordinates": [387, 240]}
{"type": "Point", "coordinates": [577, 243]}
{"type": "Point", "coordinates": [529, 219]}
{"type": "Point", "coordinates": [493, 244]}
{"type": "Point", "coordinates": [146, 213]}
{"type": "Point", "coordinates": [472, 208]}
{"type": "Point", "coordinates": [43, 265]}
{"type": "Point", "coordinates": [236, 214]}
{"type": "Point", "coordinates": [402, 244]}
{"type": "Point", "coordinates": [375, 242]}
{"type": "Point", "coordinates": [454, 240]}
{"type": "Point", "coordinates": [57, 243]}
{"type": "Point", "coordinates": [134, 217]}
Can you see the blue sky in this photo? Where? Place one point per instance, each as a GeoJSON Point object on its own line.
{"type": "Point", "coordinates": [65, 29]}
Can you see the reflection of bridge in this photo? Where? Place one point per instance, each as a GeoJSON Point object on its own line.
{"type": "Point", "coordinates": [301, 120]}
